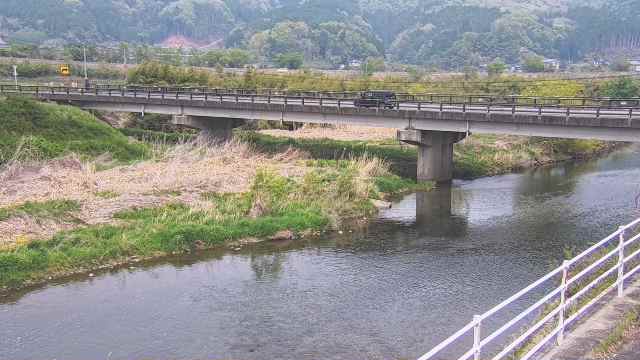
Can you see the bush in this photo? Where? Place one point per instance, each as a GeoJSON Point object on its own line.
{"type": "Point", "coordinates": [290, 60]}
{"type": "Point", "coordinates": [533, 63]}
{"type": "Point", "coordinates": [621, 88]}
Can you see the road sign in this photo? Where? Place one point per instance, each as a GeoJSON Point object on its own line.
{"type": "Point", "coordinates": [64, 70]}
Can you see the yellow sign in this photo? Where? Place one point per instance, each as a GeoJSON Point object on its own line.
{"type": "Point", "coordinates": [64, 70]}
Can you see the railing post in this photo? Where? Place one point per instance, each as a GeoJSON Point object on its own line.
{"type": "Point", "coordinates": [477, 320]}
{"type": "Point", "coordinates": [621, 263]}
{"type": "Point", "coordinates": [563, 298]}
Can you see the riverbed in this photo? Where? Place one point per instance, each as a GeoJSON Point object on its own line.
{"type": "Point", "coordinates": [392, 290]}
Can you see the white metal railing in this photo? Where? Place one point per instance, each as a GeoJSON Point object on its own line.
{"type": "Point", "coordinates": [563, 298]}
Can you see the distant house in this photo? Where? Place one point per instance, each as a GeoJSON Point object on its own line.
{"type": "Point", "coordinates": [3, 44]}
{"type": "Point", "coordinates": [551, 64]}
{"type": "Point", "coordinates": [635, 65]}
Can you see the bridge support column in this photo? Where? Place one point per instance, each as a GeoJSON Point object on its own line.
{"type": "Point", "coordinates": [435, 153]}
{"type": "Point", "coordinates": [220, 129]}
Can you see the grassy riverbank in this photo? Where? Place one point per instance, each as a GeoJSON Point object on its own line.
{"type": "Point", "coordinates": [477, 156]}
{"type": "Point", "coordinates": [324, 196]}
{"type": "Point", "coordinates": [63, 210]}
{"type": "Point", "coordinates": [35, 130]}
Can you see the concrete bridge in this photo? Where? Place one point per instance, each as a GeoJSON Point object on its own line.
{"type": "Point", "coordinates": [433, 126]}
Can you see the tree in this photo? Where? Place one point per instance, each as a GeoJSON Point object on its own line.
{"type": "Point", "coordinates": [290, 60]}
{"type": "Point", "coordinates": [533, 63]}
{"type": "Point", "coordinates": [236, 58]}
{"type": "Point", "coordinates": [496, 68]}
{"type": "Point", "coordinates": [621, 88]}
{"type": "Point", "coordinates": [372, 65]}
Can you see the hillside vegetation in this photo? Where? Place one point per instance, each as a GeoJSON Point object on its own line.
{"type": "Point", "coordinates": [449, 34]}
{"type": "Point", "coordinates": [34, 130]}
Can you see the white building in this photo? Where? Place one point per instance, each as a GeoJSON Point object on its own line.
{"type": "Point", "coordinates": [3, 44]}
{"type": "Point", "coordinates": [551, 64]}
{"type": "Point", "coordinates": [635, 65]}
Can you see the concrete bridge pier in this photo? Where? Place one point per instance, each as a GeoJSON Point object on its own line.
{"type": "Point", "coordinates": [219, 129]}
{"type": "Point", "coordinates": [435, 153]}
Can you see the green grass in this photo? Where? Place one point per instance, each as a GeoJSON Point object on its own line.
{"type": "Point", "coordinates": [53, 209]}
{"type": "Point", "coordinates": [273, 203]}
{"type": "Point", "coordinates": [385, 184]}
{"type": "Point", "coordinates": [35, 130]}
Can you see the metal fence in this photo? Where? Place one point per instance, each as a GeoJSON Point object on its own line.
{"type": "Point", "coordinates": [583, 281]}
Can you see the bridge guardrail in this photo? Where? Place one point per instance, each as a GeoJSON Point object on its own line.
{"type": "Point", "coordinates": [475, 99]}
{"type": "Point", "coordinates": [221, 95]}
{"type": "Point", "coordinates": [583, 281]}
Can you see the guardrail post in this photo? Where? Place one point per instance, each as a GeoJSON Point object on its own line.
{"type": "Point", "coordinates": [477, 320]}
{"type": "Point", "coordinates": [621, 263]}
{"type": "Point", "coordinates": [563, 298]}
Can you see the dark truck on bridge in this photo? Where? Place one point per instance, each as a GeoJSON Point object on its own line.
{"type": "Point", "coordinates": [377, 99]}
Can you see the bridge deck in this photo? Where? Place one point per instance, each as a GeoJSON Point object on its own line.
{"type": "Point", "coordinates": [586, 122]}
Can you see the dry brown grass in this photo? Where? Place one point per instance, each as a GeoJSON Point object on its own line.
{"type": "Point", "coordinates": [177, 174]}
{"type": "Point", "coordinates": [336, 132]}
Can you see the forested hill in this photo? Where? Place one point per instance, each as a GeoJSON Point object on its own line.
{"type": "Point", "coordinates": [448, 33]}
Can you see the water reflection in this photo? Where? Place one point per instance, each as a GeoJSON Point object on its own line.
{"type": "Point", "coordinates": [434, 216]}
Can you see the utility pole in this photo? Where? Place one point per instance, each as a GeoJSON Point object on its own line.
{"type": "Point", "coordinates": [124, 55]}
{"type": "Point", "coordinates": [86, 76]}
{"type": "Point", "coordinates": [15, 74]}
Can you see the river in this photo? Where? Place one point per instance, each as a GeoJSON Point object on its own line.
{"type": "Point", "coordinates": [391, 290]}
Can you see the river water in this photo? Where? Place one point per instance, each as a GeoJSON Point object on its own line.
{"type": "Point", "coordinates": [389, 291]}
